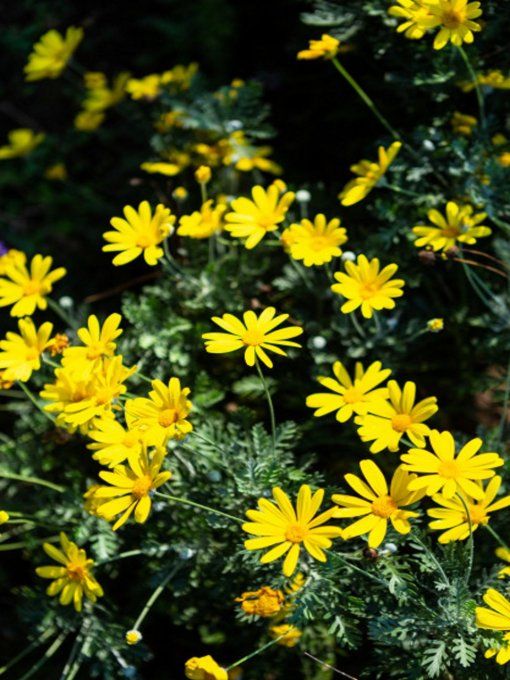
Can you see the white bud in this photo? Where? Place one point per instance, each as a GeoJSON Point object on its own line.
{"type": "Point", "coordinates": [303, 196]}
{"type": "Point", "coordinates": [66, 302]}
{"type": "Point", "coordinates": [318, 342]}
{"type": "Point", "coordinates": [348, 256]}
{"type": "Point", "coordinates": [427, 144]}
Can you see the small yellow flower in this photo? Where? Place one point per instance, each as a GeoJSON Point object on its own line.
{"type": "Point", "coordinates": [202, 223]}
{"type": "Point", "coordinates": [161, 168]}
{"type": "Point", "coordinates": [147, 88]}
{"type": "Point", "coordinates": [139, 233]}
{"type": "Point", "coordinates": [451, 517]}
{"type": "Point", "coordinates": [255, 334]}
{"type": "Point", "coordinates": [204, 668]}
{"type": "Point", "coordinates": [277, 523]}
{"type": "Point", "coordinates": [73, 577]}
{"type": "Point", "coordinates": [130, 488]}
{"type": "Point", "coordinates": [325, 48]}
{"type": "Point", "coordinates": [264, 602]}
{"type": "Point", "coordinates": [388, 421]}
{"type": "Point", "coordinates": [289, 635]}
{"type": "Point", "coordinates": [350, 395]}
{"type": "Point", "coordinates": [203, 174]}
{"type": "Point", "coordinates": [26, 289]}
{"type": "Point", "coordinates": [113, 443]}
{"type": "Point", "coordinates": [443, 469]}
{"type": "Point", "coordinates": [435, 325]}
{"type": "Point", "coordinates": [253, 219]}
{"type": "Point", "coordinates": [456, 21]}
{"type": "Point", "coordinates": [180, 193]}
{"type": "Point", "coordinates": [88, 121]}
{"type": "Point", "coordinates": [21, 142]}
{"type": "Point", "coordinates": [133, 637]}
{"type": "Point", "coordinates": [4, 517]}
{"type": "Point", "coordinates": [162, 416]}
{"type": "Point", "coordinates": [462, 124]}
{"type": "Point", "coordinates": [459, 225]}
{"type": "Point", "coordinates": [496, 618]}
{"type": "Point", "coordinates": [51, 53]}
{"type": "Point", "coordinates": [20, 354]}
{"type": "Point", "coordinates": [377, 504]}
{"type": "Point", "coordinates": [98, 343]}
{"type": "Point", "coordinates": [416, 15]}
{"type": "Point", "coordinates": [365, 286]}
{"type": "Point", "coordinates": [369, 174]}
{"type": "Point", "coordinates": [504, 159]}
{"type": "Point", "coordinates": [315, 242]}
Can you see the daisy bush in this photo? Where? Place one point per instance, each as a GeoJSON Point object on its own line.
{"type": "Point", "coordinates": [255, 398]}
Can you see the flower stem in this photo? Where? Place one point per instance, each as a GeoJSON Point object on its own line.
{"type": "Point", "coordinates": [357, 325]}
{"type": "Point", "coordinates": [34, 401]}
{"type": "Point", "coordinates": [186, 501]}
{"type": "Point", "coordinates": [269, 403]}
{"type": "Point", "coordinates": [60, 312]}
{"type": "Point", "coordinates": [474, 79]}
{"type": "Point", "coordinates": [329, 667]}
{"type": "Point", "coordinates": [255, 653]}
{"type": "Point", "coordinates": [471, 544]}
{"type": "Point", "coordinates": [52, 649]}
{"type": "Point", "coordinates": [429, 552]}
{"type": "Point", "coordinates": [498, 538]}
{"type": "Point", "coordinates": [45, 635]}
{"type": "Point", "coordinates": [152, 599]}
{"type": "Point", "coordinates": [355, 568]}
{"type": "Point", "coordinates": [504, 412]}
{"type": "Point", "coordinates": [399, 190]}
{"type": "Point", "coordinates": [31, 480]}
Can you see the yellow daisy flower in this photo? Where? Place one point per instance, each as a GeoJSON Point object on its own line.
{"type": "Point", "coordinates": [279, 524]}
{"type": "Point", "coordinates": [503, 554]}
{"type": "Point", "coordinates": [416, 15]}
{"type": "Point", "coordinates": [147, 88]}
{"type": "Point", "coordinates": [202, 223]}
{"type": "Point", "coordinates": [365, 286]}
{"type": "Point", "coordinates": [264, 602]}
{"type": "Point", "coordinates": [451, 517]}
{"type": "Point", "coordinates": [389, 421]}
{"type": "Point", "coordinates": [369, 173]}
{"type": "Point", "coordinates": [376, 504]}
{"type": "Point", "coordinates": [20, 354]}
{"type": "Point", "coordinates": [463, 124]}
{"type": "Point", "coordinates": [51, 53]}
{"type": "Point", "coordinates": [11, 258]}
{"type": "Point", "coordinates": [139, 233]}
{"type": "Point", "coordinates": [456, 21]}
{"type": "Point", "coordinates": [130, 488]}
{"type": "Point", "coordinates": [161, 168]}
{"type": "Point", "coordinates": [98, 343]}
{"type": "Point", "coordinates": [458, 225]}
{"type": "Point", "coordinates": [27, 289]}
{"type": "Point", "coordinates": [73, 578]}
{"type": "Point", "coordinates": [204, 668]}
{"type": "Point", "coordinates": [289, 635]}
{"type": "Point", "coordinates": [443, 469]}
{"type": "Point", "coordinates": [253, 219]}
{"type": "Point", "coordinates": [496, 618]}
{"type": "Point", "coordinates": [255, 334]}
{"type": "Point", "coordinates": [112, 443]}
{"type": "Point", "coordinates": [163, 415]}
{"type": "Point", "coordinates": [315, 242]}
{"type": "Point", "coordinates": [325, 48]}
{"type": "Point", "coordinates": [350, 395]}
{"type": "Point", "coordinates": [21, 142]}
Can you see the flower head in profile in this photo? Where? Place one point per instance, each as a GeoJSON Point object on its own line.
{"type": "Point", "coordinates": [204, 668]}
{"type": "Point", "coordinates": [376, 504]}
{"type": "Point", "coordinates": [451, 517]}
{"type": "Point", "coordinates": [98, 342]}
{"type": "Point", "coordinates": [364, 285]}
{"type": "Point", "coordinates": [253, 219]}
{"type": "Point", "coordinates": [315, 242]}
{"type": "Point", "coordinates": [202, 223]}
{"type": "Point", "coordinates": [72, 579]}
{"type": "Point", "coordinates": [350, 395]}
{"type": "Point", "coordinates": [455, 20]}
{"type": "Point", "coordinates": [113, 443]}
{"type": "Point", "coordinates": [325, 48]}
{"type": "Point", "coordinates": [442, 469]}
{"type": "Point", "coordinates": [129, 488]}
{"type": "Point", "coordinates": [163, 415]}
{"type": "Point", "coordinates": [416, 16]}
{"type": "Point", "coordinates": [51, 53]}
{"type": "Point", "coordinates": [26, 288]}
{"type": "Point", "coordinates": [368, 175]}
{"type": "Point", "coordinates": [399, 416]}
{"type": "Point", "coordinates": [20, 142]}
{"type": "Point", "coordinates": [20, 354]}
{"type": "Point", "coordinates": [460, 224]}
{"type": "Point", "coordinates": [140, 232]}
{"type": "Point", "coordinates": [286, 634]}
{"type": "Point", "coordinates": [255, 334]}
{"type": "Point", "coordinates": [496, 617]}
{"type": "Point", "coordinates": [264, 602]}
{"type": "Point", "coordinates": [463, 124]}
{"type": "Point", "coordinates": [276, 523]}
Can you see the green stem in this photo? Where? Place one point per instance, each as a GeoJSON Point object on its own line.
{"type": "Point", "coordinates": [29, 648]}
{"type": "Point", "coordinates": [48, 361]}
{"type": "Point", "coordinates": [477, 287]}
{"type": "Point", "coordinates": [120, 556]}
{"type": "Point", "coordinates": [31, 480]}
{"type": "Point", "coordinates": [186, 501]}
{"type": "Point", "coordinates": [152, 599]}
{"type": "Point", "coordinates": [52, 649]}
{"type": "Point", "coordinates": [471, 544]}
{"type": "Point", "coordinates": [255, 653]}
{"type": "Point", "coordinates": [355, 568]}
{"type": "Point", "coordinates": [429, 552]}
{"type": "Point", "coordinates": [478, 90]}
{"type": "Point", "coordinates": [357, 325]}
{"type": "Point", "coordinates": [269, 403]}
{"type": "Point", "coordinates": [399, 190]}
{"type": "Point", "coordinates": [60, 312]}
{"type": "Point", "coordinates": [35, 402]}
{"type": "Point", "coordinates": [502, 421]}
{"type": "Point", "coordinates": [20, 544]}
{"type": "Point", "coordinates": [498, 538]}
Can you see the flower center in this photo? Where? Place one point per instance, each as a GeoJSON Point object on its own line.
{"type": "Point", "coordinates": [253, 337]}
{"type": "Point", "coordinates": [130, 440]}
{"type": "Point", "coordinates": [319, 243]}
{"type": "Point", "coordinates": [368, 290]}
{"type": "Point", "coordinates": [31, 354]}
{"type": "Point", "coordinates": [141, 487]}
{"type": "Point", "coordinates": [401, 422]}
{"type": "Point", "coordinates": [76, 572]}
{"type": "Point", "coordinates": [143, 241]}
{"type": "Point", "coordinates": [477, 514]}
{"type": "Point", "coordinates": [384, 506]}
{"type": "Point", "coordinates": [32, 287]}
{"type": "Point", "coordinates": [168, 417]}
{"type": "Point", "coordinates": [451, 232]}
{"type": "Point", "coordinates": [352, 395]}
{"type": "Point", "coordinates": [296, 533]}
{"type": "Point", "coordinates": [449, 469]}
{"type": "Point", "coordinates": [95, 351]}
{"type": "Point", "coordinates": [453, 18]}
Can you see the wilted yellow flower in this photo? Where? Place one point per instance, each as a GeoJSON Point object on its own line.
{"type": "Point", "coordinates": [202, 223]}
{"type": "Point", "coordinates": [289, 635]}
{"type": "Point", "coordinates": [203, 174]}
{"type": "Point", "coordinates": [325, 48]}
{"type": "Point", "coordinates": [264, 602]}
{"type": "Point", "coordinates": [463, 124]}
{"type": "Point", "coordinates": [58, 343]}
{"type": "Point", "coordinates": [88, 121]}
{"type": "Point", "coordinates": [51, 53]}
{"type": "Point", "coordinates": [204, 668]}
{"type": "Point", "coordinates": [460, 224]}
{"type": "Point", "coordinates": [20, 143]}
{"type": "Point", "coordinates": [20, 354]}
{"type": "Point", "coordinates": [315, 242]}
{"type": "Point", "coordinates": [369, 173]}
{"type": "Point", "coordinates": [26, 289]}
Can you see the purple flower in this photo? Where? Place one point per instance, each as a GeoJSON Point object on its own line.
{"type": "Point", "coordinates": [3, 248]}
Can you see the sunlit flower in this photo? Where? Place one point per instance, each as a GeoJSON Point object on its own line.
{"type": "Point", "coordinates": [496, 618]}
{"type": "Point", "coordinates": [451, 517]}
{"type": "Point", "coordinates": [463, 124]}
{"type": "Point", "coordinates": [388, 421]}
{"type": "Point", "coordinates": [315, 242]}
{"type": "Point", "coordinates": [289, 635]}
{"type": "Point", "coordinates": [51, 53]}
{"type": "Point", "coordinates": [376, 504]}
{"type": "Point", "coordinates": [163, 415]}
{"type": "Point", "coordinates": [130, 488]}
{"type": "Point", "coordinates": [416, 15]}
{"type": "Point", "coordinates": [459, 225]}
{"type": "Point", "coordinates": [72, 578]}
{"type": "Point", "coordinates": [202, 223]}
{"type": "Point", "coordinates": [20, 354]}
{"type": "Point", "coordinates": [253, 219]}
{"type": "Point", "coordinates": [369, 173]}
{"type": "Point", "coordinates": [456, 21]}
{"type": "Point", "coordinates": [204, 668]}
{"type": "Point", "coordinates": [350, 395]}
{"type": "Point", "coordinates": [161, 168]}
{"type": "Point", "coordinates": [255, 334]}
{"type": "Point", "coordinates": [365, 286]}
{"type": "Point", "coordinates": [441, 469]}
{"type": "Point", "coordinates": [264, 602]}
{"type": "Point", "coordinates": [133, 637]}
{"type": "Point", "coordinates": [26, 289]}
{"type": "Point", "coordinates": [325, 48]}
{"type": "Point", "coordinates": [277, 523]}
{"type": "Point", "coordinates": [98, 343]}
{"type": "Point", "coordinates": [113, 443]}
{"type": "Point", "coordinates": [88, 121]}
{"type": "Point", "coordinates": [21, 142]}
{"type": "Point", "coordinates": [139, 233]}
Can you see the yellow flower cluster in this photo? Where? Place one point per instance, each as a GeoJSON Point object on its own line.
{"type": "Point", "coordinates": [150, 87]}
